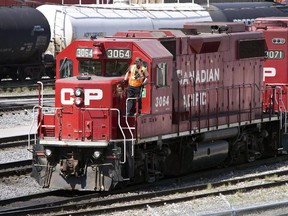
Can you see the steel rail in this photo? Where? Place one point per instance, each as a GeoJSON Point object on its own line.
{"type": "Point", "coordinates": [15, 168]}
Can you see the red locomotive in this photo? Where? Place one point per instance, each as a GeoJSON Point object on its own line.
{"type": "Point", "coordinates": [202, 107]}
{"type": "Point", "coordinates": [275, 66]}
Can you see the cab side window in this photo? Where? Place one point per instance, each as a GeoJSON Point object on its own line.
{"type": "Point", "coordinates": [66, 68]}
{"type": "Point", "coordinates": [161, 75]}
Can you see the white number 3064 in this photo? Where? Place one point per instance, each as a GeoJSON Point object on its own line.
{"type": "Point", "coordinates": [162, 101]}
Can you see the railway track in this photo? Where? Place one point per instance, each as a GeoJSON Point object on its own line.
{"type": "Point", "coordinates": [22, 102]}
{"type": "Point", "coordinates": [138, 198]}
{"type": "Point", "coordinates": [9, 85]}
{"type": "Point", "coordinates": [21, 167]}
{"type": "Point", "coordinates": [15, 141]}
{"type": "Point", "coordinates": [78, 205]}
{"type": "Point", "coordinates": [160, 198]}
{"type": "Point", "coordinates": [15, 168]}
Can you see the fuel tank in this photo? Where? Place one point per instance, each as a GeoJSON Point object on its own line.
{"type": "Point", "coordinates": [24, 35]}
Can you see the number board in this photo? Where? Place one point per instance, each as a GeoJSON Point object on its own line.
{"type": "Point", "coordinates": [118, 53]}
{"type": "Point", "coordinates": [274, 54]}
{"type": "Point", "coordinates": [84, 53]}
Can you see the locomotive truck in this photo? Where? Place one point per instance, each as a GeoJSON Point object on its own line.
{"type": "Point", "coordinates": [202, 107]}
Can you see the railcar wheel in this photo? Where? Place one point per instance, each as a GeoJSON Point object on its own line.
{"type": "Point", "coordinates": [50, 72]}
{"type": "Point", "coordinates": [21, 74]}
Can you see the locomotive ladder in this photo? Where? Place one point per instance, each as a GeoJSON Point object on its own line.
{"type": "Point", "coordinates": [281, 108]}
{"type": "Point", "coordinates": [129, 128]}
{"type": "Point", "coordinates": [282, 113]}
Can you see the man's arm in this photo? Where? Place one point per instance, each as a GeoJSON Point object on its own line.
{"type": "Point", "coordinates": [146, 75]}
{"type": "Point", "coordinates": [127, 74]}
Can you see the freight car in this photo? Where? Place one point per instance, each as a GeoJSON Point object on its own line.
{"type": "Point", "coordinates": [25, 36]}
{"type": "Point", "coordinates": [71, 22]}
{"type": "Point", "coordinates": [36, 3]}
{"type": "Point", "coordinates": [68, 23]}
{"type": "Point", "coordinates": [245, 12]}
{"type": "Point", "coordinates": [202, 107]}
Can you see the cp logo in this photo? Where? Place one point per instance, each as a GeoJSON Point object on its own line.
{"type": "Point", "coordinates": [67, 96]}
{"type": "Point", "coordinates": [269, 72]}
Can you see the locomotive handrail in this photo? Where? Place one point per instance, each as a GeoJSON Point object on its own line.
{"type": "Point", "coordinates": [119, 125]}
{"type": "Point", "coordinates": [127, 123]}
{"type": "Point", "coordinates": [40, 115]}
{"type": "Point", "coordinates": [40, 95]}
{"type": "Point", "coordinates": [99, 109]}
{"type": "Point", "coordinates": [228, 89]}
{"type": "Point", "coordinates": [277, 100]}
{"type": "Point", "coordinates": [30, 129]}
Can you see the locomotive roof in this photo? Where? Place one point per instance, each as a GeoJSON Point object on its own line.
{"type": "Point", "coordinates": [208, 27]}
{"type": "Point", "coordinates": [154, 49]}
{"type": "Point", "coordinates": [265, 23]}
{"type": "Point", "coordinates": [275, 19]}
{"type": "Point", "coordinates": [88, 77]}
{"type": "Point", "coordinates": [151, 47]}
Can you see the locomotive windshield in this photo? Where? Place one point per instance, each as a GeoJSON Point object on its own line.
{"type": "Point", "coordinates": [90, 67]}
{"type": "Point", "coordinates": [116, 68]}
{"type": "Point", "coordinates": [108, 68]}
{"type": "Point", "coordinates": [112, 68]}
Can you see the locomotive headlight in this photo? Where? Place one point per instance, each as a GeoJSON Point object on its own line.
{"type": "Point", "coordinates": [96, 154]}
{"type": "Point", "coordinates": [78, 101]}
{"type": "Point", "coordinates": [78, 92]}
{"type": "Point", "coordinates": [48, 152]}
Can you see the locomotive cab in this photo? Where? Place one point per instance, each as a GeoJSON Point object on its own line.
{"type": "Point", "coordinates": [102, 58]}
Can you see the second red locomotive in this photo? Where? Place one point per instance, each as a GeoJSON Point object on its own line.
{"type": "Point", "coordinates": [202, 107]}
{"type": "Point", "coordinates": [275, 31]}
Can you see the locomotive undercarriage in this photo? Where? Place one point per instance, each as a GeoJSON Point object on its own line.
{"type": "Point", "coordinates": [78, 168]}
{"type": "Point", "coordinates": [212, 149]}
{"type": "Point", "coordinates": [103, 169]}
